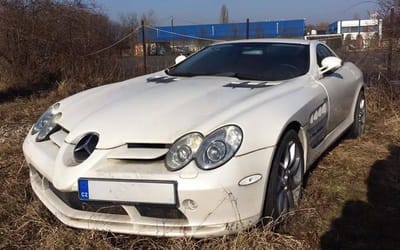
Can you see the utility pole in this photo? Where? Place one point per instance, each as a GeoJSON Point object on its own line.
{"type": "Point", "coordinates": [144, 48]}
{"type": "Point", "coordinates": [172, 34]}
{"type": "Point", "coordinates": [247, 28]}
{"type": "Point", "coordinates": [390, 49]}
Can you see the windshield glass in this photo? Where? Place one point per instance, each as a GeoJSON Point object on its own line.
{"type": "Point", "coordinates": [248, 61]}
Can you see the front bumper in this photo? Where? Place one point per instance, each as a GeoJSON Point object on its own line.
{"type": "Point", "coordinates": [222, 205]}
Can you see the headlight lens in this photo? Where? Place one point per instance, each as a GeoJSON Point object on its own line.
{"type": "Point", "coordinates": [219, 147]}
{"type": "Point", "coordinates": [212, 152]}
{"type": "Point", "coordinates": [183, 151]}
{"type": "Point", "coordinates": [46, 123]}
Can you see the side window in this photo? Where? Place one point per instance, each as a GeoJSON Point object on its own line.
{"type": "Point", "coordinates": [322, 52]}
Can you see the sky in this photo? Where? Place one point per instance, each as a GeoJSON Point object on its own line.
{"type": "Point", "coordinates": [208, 11]}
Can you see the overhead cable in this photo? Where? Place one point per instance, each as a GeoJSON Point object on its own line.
{"type": "Point", "coordinates": [115, 43]}
{"type": "Point", "coordinates": [183, 35]}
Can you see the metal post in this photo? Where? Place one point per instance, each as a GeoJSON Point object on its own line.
{"type": "Point", "coordinates": [390, 49]}
{"type": "Point", "coordinates": [172, 35]}
{"type": "Point", "coordinates": [247, 28]}
{"type": "Point", "coordinates": [144, 48]}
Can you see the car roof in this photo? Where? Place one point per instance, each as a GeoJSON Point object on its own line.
{"type": "Point", "coordinates": [270, 40]}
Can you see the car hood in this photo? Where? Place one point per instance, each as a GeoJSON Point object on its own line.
{"type": "Point", "coordinates": [157, 108]}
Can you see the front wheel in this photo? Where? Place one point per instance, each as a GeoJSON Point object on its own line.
{"type": "Point", "coordinates": [286, 177]}
{"type": "Point", "coordinates": [360, 113]}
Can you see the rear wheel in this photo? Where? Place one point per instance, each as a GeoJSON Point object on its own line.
{"type": "Point", "coordinates": [360, 113]}
{"type": "Point", "coordinates": [286, 177]}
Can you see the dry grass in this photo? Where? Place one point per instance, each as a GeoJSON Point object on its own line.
{"type": "Point", "coordinates": [340, 208]}
{"type": "Point", "coordinates": [344, 215]}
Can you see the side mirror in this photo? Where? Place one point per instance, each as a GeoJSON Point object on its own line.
{"type": "Point", "coordinates": [179, 59]}
{"type": "Point", "coordinates": [330, 63]}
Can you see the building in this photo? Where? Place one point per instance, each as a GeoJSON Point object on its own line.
{"type": "Point", "coordinates": [368, 29]}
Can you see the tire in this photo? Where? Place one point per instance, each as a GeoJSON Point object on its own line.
{"type": "Point", "coordinates": [360, 113]}
{"type": "Point", "coordinates": [286, 177]}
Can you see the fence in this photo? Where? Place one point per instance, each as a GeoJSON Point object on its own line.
{"type": "Point", "coordinates": [167, 42]}
{"type": "Point", "coordinates": [379, 60]}
{"type": "Point", "coordinates": [229, 31]}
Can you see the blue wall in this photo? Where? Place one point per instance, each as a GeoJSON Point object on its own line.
{"type": "Point", "coordinates": [285, 28]}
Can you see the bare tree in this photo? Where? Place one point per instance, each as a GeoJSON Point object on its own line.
{"type": "Point", "coordinates": [149, 18]}
{"type": "Point", "coordinates": [224, 15]}
{"type": "Point", "coordinates": [386, 5]}
{"type": "Point", "coordinates": [42, 41]}
{"type": "Point", "coordinates": [390, 22]}
{"type": "Point", "coordinates": [128, 23]}
{"type": "Point", "coordinates": [390, 13]}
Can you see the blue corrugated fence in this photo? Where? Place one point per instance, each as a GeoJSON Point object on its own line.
{"type": "Point", "coordinates": [282, 28]}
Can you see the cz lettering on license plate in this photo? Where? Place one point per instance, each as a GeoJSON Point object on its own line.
{"type": "Point", "coordinates": [83, 187]}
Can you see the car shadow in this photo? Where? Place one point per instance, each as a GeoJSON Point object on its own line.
{"type": "Point", "coordinates": [373, 224]}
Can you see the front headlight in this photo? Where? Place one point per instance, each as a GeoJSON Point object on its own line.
{"type": "Point", "coordinates": [219, 147]}
{"type": "Point", "coordinates": [183, 151]}
{"type": "Point", "coordinates": [212, 152]}
{"type": "Point", "coordinates": [46, 123]}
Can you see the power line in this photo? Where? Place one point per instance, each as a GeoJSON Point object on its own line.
{"type": "Point", "coordinates": [115, 43]}
{"type": "Point", "coordinates": [183, 35]}
{"type": "Point", "coordinates": [179, 20]}
{"type": "Point", "coordinates": [357, 4]}
{"type": "Point", "coordinates": [187, 21]}
{"type": "Point", "coordinates": [152, 28]}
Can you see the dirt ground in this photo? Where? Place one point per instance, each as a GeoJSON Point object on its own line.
{"type": "Point", "coordinates": [351, 196]}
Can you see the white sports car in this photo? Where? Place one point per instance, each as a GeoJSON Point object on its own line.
{"type": "Point", "coordinates": [209, 146]}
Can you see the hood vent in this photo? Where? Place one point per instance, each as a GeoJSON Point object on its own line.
{"type": "Point", "coordinates": [247, 85]}
{"type": "Point", "coordinates": [161, 79]}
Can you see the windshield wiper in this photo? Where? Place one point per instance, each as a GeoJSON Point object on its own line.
{"type": "Point", "coordinates": [171, 73]}
{"type": "Point", "coordinates": [241, 76]}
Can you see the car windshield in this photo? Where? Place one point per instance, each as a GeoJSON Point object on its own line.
{"type": "Point", "coordinates": [247, 61]}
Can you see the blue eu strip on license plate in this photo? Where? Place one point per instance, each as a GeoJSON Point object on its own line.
{"type": "Point", "coordinates": [83, 189]}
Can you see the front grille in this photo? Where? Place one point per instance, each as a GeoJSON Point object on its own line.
{"type": "Point", "coordinates": [72, 200]}
{"type": "Point", "coordinates": [139, 151]}
{"type": "Point", "coordinates": [148, 145]}
{"type": "Point", "coordinates": [160, 212]}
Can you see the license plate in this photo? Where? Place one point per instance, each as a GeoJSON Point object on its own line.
{"type": "Point", "coordinates": [128, 191]}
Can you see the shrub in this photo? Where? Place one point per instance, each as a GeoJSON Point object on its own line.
{"type": "Point", "coordinates": [44, 41]}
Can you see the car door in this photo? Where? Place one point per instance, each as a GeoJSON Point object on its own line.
{"type": "Point", "coordinates": [340, 89]}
